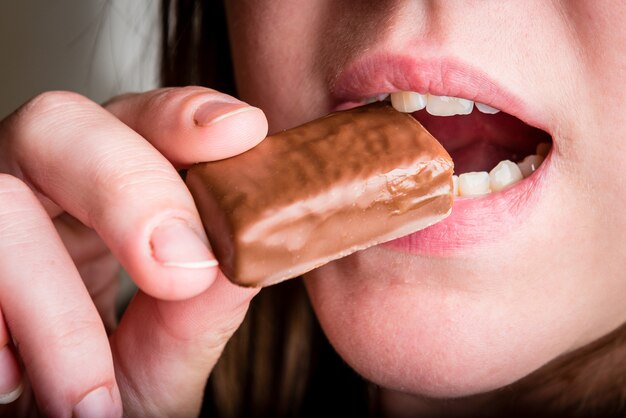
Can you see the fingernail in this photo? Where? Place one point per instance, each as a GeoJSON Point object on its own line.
{"type": "Point", "coordinates": [212, 112]}
{"type": "Point", "coordinates": [95, 404]}
{"type": "Point", "coordinates": [7, 398]}
{"type": "Point", "coordinates": [10, 380]}
{"type": "Point", "coordinates": [175, 244]}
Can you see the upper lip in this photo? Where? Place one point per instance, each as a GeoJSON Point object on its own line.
{"type": "Point", "coordinates": [386, 72]}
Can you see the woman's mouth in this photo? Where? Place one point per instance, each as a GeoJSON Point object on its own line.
{"type": "Point", "coordinates": [501, 155]}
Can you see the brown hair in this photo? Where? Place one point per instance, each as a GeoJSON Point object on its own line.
{"type": "Point", "coordinates": [589, 382]}
{"type": "Point", "coordinates": [194, 45]}
{"type": "Point", "coordinates": [279, 364]}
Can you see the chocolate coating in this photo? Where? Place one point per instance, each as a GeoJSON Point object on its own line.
{"type": "Point", "coordinates": [321, 191]}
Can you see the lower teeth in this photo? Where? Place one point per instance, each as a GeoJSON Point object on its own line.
{"type": "Point", "coordinates": [529, 164]}
{"type": "Point", "coordinates": [503, 175]}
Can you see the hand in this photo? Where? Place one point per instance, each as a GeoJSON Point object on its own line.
{"type": "Point", "coordinates": [82, 186]}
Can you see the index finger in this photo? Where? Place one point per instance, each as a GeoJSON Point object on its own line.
{"type": "Point", "coordinates": [192, 124]}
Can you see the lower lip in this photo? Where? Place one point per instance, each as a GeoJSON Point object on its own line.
{"type": "Point", "coordinates": [477, 221]}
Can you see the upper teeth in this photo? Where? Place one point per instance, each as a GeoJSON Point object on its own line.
{"type": "Point", "coordinates": [486, 109]}
{"type": "Point", "coordinates": [410, 101]}
{"type": "Point", "coordinates": [448, 106]}
{"type": "Point", "coordinates": [504, 174]}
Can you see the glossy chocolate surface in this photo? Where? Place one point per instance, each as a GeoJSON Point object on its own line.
{"type": "Point", "coordinates": [321, 191]}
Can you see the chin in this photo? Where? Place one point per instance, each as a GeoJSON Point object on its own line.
{"type": "Point", "coordinates": [424, 333]}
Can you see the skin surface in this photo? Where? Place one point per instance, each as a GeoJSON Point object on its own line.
{"type": "Point", "coordinates": [81, 188]}
{"type": "Point", "coordinates": [449, 325]}
{"type": "Point", "coordinates": [85, 188]}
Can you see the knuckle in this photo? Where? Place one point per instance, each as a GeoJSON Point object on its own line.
{"type": "Point", "coordinates": [25, 132]}
{"type": "Point", "coordinates": [120, 177]}
{"type": "Point", "coordinates": [52, 101]}
{"type": "Point", "coordinates": [147, 186]}
{"type": "Point", "coordinates": [77, 331]}
{"type": "Point", "coordinates": [41, 114]}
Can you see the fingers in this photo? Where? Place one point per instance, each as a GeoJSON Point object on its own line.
{"type": "Point", "coordinates": [184, 339]}
{"type": "Point", "coordinates": [192, 124]}
{"type": "Point", "coordinates": [97, 267]}
{"type": "Point", "coordinates": [10, 374]}
{"type": "Point", "coordinates": [79, 158]}
{"type": "Point", "coordinates": [49, 314]}
{"type": "Point", "coordinates": [111, 179]}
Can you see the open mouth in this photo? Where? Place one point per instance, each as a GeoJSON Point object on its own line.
{"type": "Point", "coordinates": [491, 150]}
{"type": "Point", "coordinates": [499, 156]}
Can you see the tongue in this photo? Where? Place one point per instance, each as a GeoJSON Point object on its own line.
{"type": "Point", "coordinates": [479, 156]}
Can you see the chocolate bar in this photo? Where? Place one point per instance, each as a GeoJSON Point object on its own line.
{"type": "Point", "coordinates": [321, 191]}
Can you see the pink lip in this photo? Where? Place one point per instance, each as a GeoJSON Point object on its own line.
{"type": "Point", "coordinates": [473, 221]}
{"type": "Point", "coordinates": [384, 73]}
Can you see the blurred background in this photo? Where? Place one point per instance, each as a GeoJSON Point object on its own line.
{"type": "Point", "coordinates": [99, 48]}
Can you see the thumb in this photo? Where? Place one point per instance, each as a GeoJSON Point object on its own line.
{"type": "Point", "coordinates": [163, 346]}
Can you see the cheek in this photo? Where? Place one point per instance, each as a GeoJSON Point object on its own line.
{"type": "Point", "coordinates": [275, 49]}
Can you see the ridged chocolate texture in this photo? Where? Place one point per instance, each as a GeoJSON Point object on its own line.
{"type": "Point", "coordinates": [321, 191]}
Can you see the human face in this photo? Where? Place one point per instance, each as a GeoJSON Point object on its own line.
{"type": "Point", "coordinates": [510, 280]}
